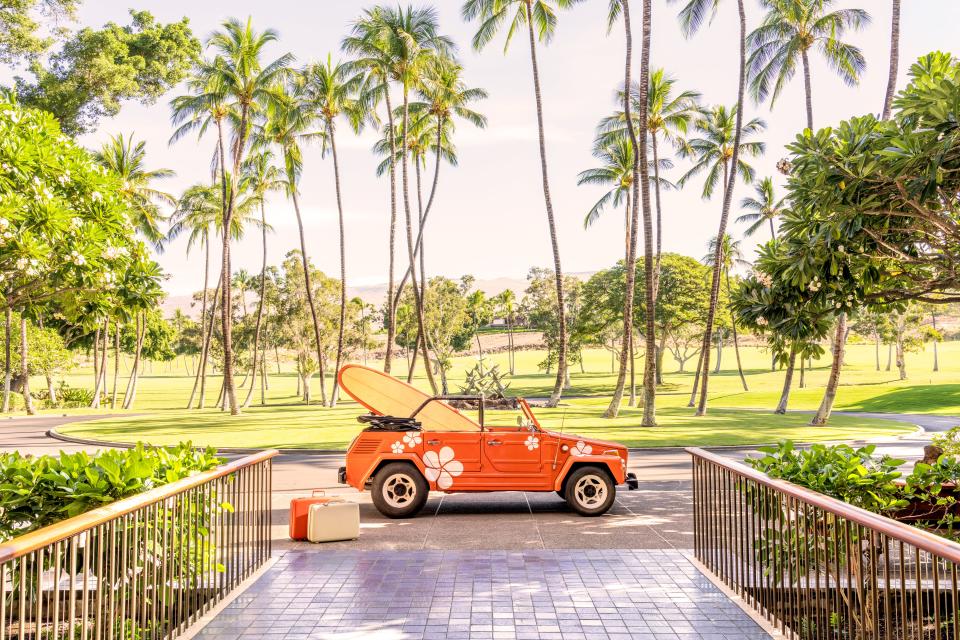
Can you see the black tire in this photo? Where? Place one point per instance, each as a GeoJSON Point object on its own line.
{"type": "Point", "coordinates": [590, 491]}
{"type": "Point", "coordinates": [399, 490]}
{"type": "Point", "coordinates": [562, 493]}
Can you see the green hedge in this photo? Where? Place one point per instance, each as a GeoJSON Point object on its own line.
{"type": "Point", "coordinates": [39, 491]}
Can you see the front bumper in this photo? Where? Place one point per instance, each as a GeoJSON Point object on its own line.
{"type": "Point", "coordinates": [342, 475]}
{"type": "Point", "coordinates": [632, 482]}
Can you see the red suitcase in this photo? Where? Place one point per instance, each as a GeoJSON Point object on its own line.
{"type": "Point", "coordinates": [299, 510]}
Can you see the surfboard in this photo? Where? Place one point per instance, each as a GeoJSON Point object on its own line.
{"type": "Point", "coordinates": [385, 395]}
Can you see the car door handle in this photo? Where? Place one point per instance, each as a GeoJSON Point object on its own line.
{"type": "Point", "coordinates": [494, 443]}
{"type": "Point", "coordinates": [433, 443]}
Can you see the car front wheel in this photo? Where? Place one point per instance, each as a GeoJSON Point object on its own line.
{"type": "Point", "coordinates": [399, 490]}
{"type": "Point", "coordinates": [590, 491]}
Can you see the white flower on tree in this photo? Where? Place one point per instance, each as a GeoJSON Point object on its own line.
{"type": "Point", "coordinates": [441, 467]}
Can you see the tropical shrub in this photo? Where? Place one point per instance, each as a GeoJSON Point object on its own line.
{"type": "Point", "coordinates": [39, 491]}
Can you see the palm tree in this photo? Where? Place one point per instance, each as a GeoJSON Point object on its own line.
{"type": "Point", "coordinates": [444, 97]}
{"type": "Point", "coordinates": [732, 254]}
{"type": "Point", "coordinates": [289, 121]}
{"type": "Point", "coordinates": [762, 208]}
{"type": "Point", "coordinates": [894, 59]}
{"type": "Point", "coordinates": [335, 90]}
{"type": "Point", "coordinates": [540, 18]}
{"type": "Point", "coordinates": [616, 172]}
{"type": "Point", "coordinates": [713, 149]}
{"type": "Point", "coordinates": [786, 35]}
{"type": "Point", "coordinates": [370, 42]}
{"type": "Point", "coordinates": [692, 17]}
{"type": "Point", "coordinates": [669, 117]}
{"type": "Point", "coordinates": [718, 151]}
{"type": "Point", "coordinates": [124, 157]}
{"type": "Point", "coordinates": [245, 82]}
{"type": "Point", "coordinates": [197, 212]}
{"type": "Point", "coordinates": [262, 176]}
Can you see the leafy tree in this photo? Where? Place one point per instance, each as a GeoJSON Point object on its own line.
{"type": "Point", "coordinates": [873, 213]}
{"type": "Point", "coordinates": [20, 27]}
{"type": "Point", "coordinates": [540, 307]}
{"type": "Point", "coordinates": [159, 341]}
{"type": "Point", "coordinates": [732, 258]}
{"type": "Point", "coordinates": [447, 321]}
{"type": "Point", "coordinates": [48, 355]}
{"type": "Point", "coordinates": [540, 18]}
{"type": "Point", "coordinates": [96, 70]}
{"type": "Point", "coordinates": [790, 29]}
{"type": "Point", "coordinates": [64, 232]}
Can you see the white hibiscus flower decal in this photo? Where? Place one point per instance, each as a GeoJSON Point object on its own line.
{"type": "Point", "coordinates": [582, 449]}
{"type": "Point", "coordinates": [441, 467]}
{"type": "Point", "coordinates": [532, 442]}
{"type": "Point", "coordinates": [412, 439]}
{"type": "Point", "coordinates": [397, 447]}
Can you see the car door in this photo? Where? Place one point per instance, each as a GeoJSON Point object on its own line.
{"type": "Point", "coordinates": [512, 458]}
{"type": "Point", "coordinates": [443, 450]}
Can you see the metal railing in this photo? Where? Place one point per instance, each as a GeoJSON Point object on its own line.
{"type": "Point", "coordinates": [142, 568]}
{"type": "Point", "coordinates": [816, 567]}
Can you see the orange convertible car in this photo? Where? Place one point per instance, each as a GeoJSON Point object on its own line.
{"type": "Point", "coordinates": [415, 443]}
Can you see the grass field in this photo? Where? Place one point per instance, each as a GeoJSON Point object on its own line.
{"type": "Point", "coordinates": [736, 417]}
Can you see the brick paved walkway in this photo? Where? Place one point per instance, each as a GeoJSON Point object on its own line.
{"type": "Point", "coordinates": [400, 595]}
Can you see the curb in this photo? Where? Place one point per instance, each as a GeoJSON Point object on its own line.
{"type": "Point", "coordinates": [53, 433]}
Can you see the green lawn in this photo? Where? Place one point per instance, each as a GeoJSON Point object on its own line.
{"type": "Point", "coordinates": [735, 417]}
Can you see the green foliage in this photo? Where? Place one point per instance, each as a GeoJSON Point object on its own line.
{"type": "Point", "coordinates": [873, 214]}
{"type": "Point", "coordinates": [159, 340]}
{"type": "Point", "coordinates": [855, 476]}
{"type": "Point", "coordinates": [19, 26]}
{"type": "Point", "coordinates": [540, 307]}
{"type": "Point", "coordinates": [47, 354]}
{"type": "Point", "coordinates": [98, 69]}
{"type": "Point", "coordinates": [948, 441]}
{"type": "Point", "coordinates": [63, 227]}
{"type": "Point", "coordinates": [39, 491]}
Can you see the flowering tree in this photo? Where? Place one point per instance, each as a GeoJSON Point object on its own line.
{"type": "Point", "coordinates": [66, 242]}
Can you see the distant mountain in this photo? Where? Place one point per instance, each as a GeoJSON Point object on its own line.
{"type": "Point", "coordinates": [373, 294]}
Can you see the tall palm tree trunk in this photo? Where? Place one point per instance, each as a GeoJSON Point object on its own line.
{"type": "Point", "coordinates": [263, 291]}
{"type": "Point", "coordinates": [7, 359]}
{"type": "Point", "coordinates": [558, 272]}
{"type": "Point", "coordinates": [203, 313]}
{"type": "Point", "coordinates": [650, 360]}
{"type": "Point", "coordinates": [116, 366]}
{"type": "Point", "coordinates": [936, 356]}
{"type": "Point", "coordinates": [894, 59]}
{"type": "Point", "coordinates": [309, 290]}
{"type": "Point", "coordinates": [101, 382]}
{"type": "Point", "coordinates": [787, 381]}
{"type": "Point", "coordinates": [633, 203]}
{"type": "Point", "coordinates": [656, 196]}
{"type": "Point", "coordinates": [205, 351]}
{"type": "Point", "coordinates": [724, 214]}
{"type": "Point", "coordinates": [839, 342]}
{"type": "Point", "coordinates": [343, 267]}
{"type": "Point", "coordinates": [226, 308]}
{"type": "Point", "coordinates": [405, 186]}
{"type": "Point", "coordinates": [808, 91]}
{"type": "Point", "coordinates": [391, 304]}
{"type": "Point", "coordinates": [131, 394]}
{"type": "Point", "coordinates": [25, 365]}
{"type": "Point", "coordinates": [736, 343]}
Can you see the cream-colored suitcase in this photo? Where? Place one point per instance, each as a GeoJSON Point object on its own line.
{"type": "Point", "coordinates": [333, 521]}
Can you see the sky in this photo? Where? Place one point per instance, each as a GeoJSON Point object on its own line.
{"type": "Point", "coordinates": [489, 218]}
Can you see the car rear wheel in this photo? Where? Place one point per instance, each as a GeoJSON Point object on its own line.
{"type": "Point", "coordinates": [399, 490]}
{"type": "Point", "coordinates": [590, 491]}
